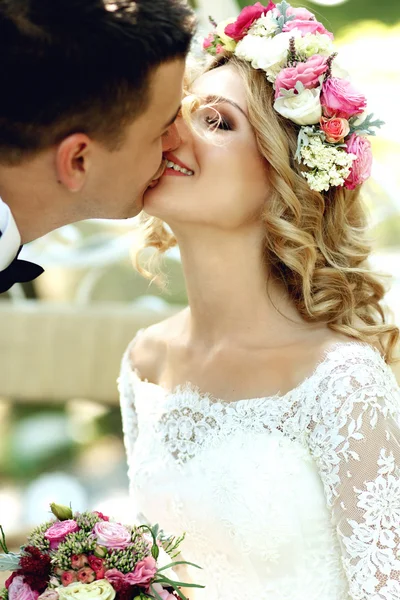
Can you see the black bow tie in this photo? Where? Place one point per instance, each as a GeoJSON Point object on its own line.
{"type": "Point", "coordinates": [19, 271]}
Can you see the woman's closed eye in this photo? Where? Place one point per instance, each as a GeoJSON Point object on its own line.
{"type": "Point", "coordinates": [218, 122]}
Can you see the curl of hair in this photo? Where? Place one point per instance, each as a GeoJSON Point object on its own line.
{"type": "Point", "coordinates": [315, 243]}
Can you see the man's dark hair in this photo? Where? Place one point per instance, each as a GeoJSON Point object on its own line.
{"type": "Point", "coordinates": [81, 65]}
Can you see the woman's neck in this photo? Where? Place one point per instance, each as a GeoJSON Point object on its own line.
{"type": "Point", "coordinates": [229, 294]}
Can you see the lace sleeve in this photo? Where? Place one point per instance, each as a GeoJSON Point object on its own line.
{"type": "Point", "coordinates": [356, 444]}
{"type": "Point", "coordinates": [127, 403]}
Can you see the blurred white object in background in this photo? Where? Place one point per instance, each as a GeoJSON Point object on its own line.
{"type": "Point", "coordinates": [11, 509]}
{"type": "Point", "coordinates": [52, 487]}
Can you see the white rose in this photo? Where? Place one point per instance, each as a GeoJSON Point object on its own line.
{"type": "Point", "coordinates": [303, 109]}
{"type": "Point", "coordinates": [98, 590]}
{"type": "Point", "coordinates": [265, 53]}
{"type": "Point", "coordinates": [227, 41]}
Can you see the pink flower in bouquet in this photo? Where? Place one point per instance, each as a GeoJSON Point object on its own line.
{"type": "Point", "coordinates": [115, 577]}
{"type": "Point", "coordinates": [340, 99]}
{"type": "Point", "coordinates": [97, 565]}
{"type": "Point", "coordinates": [78, 561]}
{"type": "Point", "coordinates": [361, 167]}
{"type": "Point", "coordinates": [335, 129]}
{"type": "Point", "coordinates": [301, 14]}
{"type": "Point", "coordinates": [101, 516]}
{"type": "Point", "coordinates": [164, 594]}
{"type": "Point", "coordinates": [308, 73]}
{"type": "Point", "coordinates": [86, 575]}
{"type": "Point", "coordinates": [68, 577]}
{"type": "Point", "coordinates": [19, 590]}
{"type": "Point", "coordinates": [245, 20]}
{"type": "Point", "coordinates": [112, 535]}
{"type": "Point", "coordinates": [307, 27]}
{"type": "Point", "coordinates": [49, 595]}
{"type": "Point", "coordinates": [58, 532]}
{"type": "Point", "coordinates": [143, 572]}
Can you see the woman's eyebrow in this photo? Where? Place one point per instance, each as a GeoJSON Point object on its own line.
{"type": "Point", "coordinates": [220, 99]}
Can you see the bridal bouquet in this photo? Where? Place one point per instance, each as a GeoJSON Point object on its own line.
{"type": "Point", "coordinates": [88, 556]}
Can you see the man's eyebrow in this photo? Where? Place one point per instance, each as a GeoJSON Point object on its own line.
{"type": "Point", "coordinates": [220, 99]}
{"type": "Point", "coordinates": [172, 121]}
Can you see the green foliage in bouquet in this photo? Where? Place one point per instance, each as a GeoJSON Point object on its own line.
{"type": "Point", "coordinates": [81, 554]}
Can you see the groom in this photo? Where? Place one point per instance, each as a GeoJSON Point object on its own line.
{"type": "Point", "coordinates": [90, 92]}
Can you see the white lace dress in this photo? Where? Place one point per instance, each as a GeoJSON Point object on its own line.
{"type": "Point", "coordinates": [293, 497]}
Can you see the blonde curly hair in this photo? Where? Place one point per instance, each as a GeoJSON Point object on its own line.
{"type": "Point", "coordinates": [315, 243]}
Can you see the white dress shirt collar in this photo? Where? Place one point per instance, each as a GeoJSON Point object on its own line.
{"type": "Point", "coordinates": [10, 239]}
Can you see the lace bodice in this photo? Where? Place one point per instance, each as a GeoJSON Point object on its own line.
{"type": "Point", "coordinates": [293, 497]}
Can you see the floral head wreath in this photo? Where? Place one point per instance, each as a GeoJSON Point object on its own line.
{"type": "Point", "coordinates": [297, 54]}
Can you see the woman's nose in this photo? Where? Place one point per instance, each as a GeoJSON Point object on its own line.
{"type": "Point", "coordinates": [172, 139]}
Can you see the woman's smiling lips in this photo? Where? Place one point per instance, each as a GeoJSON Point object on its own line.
{"type": "Point", "coordinates": [175, 167]}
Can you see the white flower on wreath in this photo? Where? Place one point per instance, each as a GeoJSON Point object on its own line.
{"type": "Point", "coordinates": [314, 43]}
{"type": "Point", "coordinates": [303, 108]}
{"type": "Point", "coordinates": [267, 54]}
{"type": "Point", "coordinates": [267, 25]}
{"type": "Point", "coordinates": [381, 501]}
{"type": "Point", "coordinates": [228, 42]}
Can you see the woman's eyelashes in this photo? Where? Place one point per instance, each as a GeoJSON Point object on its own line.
{"type": "Point", "coordinates": [218, 121]}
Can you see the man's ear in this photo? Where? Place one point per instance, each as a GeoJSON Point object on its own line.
{"type": "Point", "coordinates": [73, 161]}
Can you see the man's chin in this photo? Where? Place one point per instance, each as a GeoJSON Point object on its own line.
{"type": "Point", "coordinates": [135, 208]}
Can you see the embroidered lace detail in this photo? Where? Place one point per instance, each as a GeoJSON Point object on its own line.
{"type": "Point", "coordinates": [268, 487]}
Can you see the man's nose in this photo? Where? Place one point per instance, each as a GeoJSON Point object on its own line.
{"type": "Point", "coordinates": [172, 139]}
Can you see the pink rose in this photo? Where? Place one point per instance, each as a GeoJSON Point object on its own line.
{"type": "Point", "coordinates": [219, 49]}
{"type": "Point", "coordinates": [208, 42]}
{"type": "Point", "coordinates": [86, 575]}
{"type": "Point", "coordinates": [19, 590]}
{"type": "Point", "coordinates": [79, 560]}
{"type": "Point", "coordinates": [301, 14]}
{"type": "Point", "coordinates": [112, 535]}
{"type": "Point", "coordinates": [164, 594]}
{"type": "Point", "coordinates": [115, 577]}
{"type": "Point", "coordinates": [68, 577]}
{"type": "Point", "coordinates": [361, 167]}
{"type": "Point", "coordinates": [340, 99]}
{"type": "Point", "coordinates": [307, 72]}
{"type": "Point", "coordinates": [335, 129]}
{"type": "Point", "coordinates": [307, 27]}
{"type": "Point", "coordinates": [58, 532]}
{"type": "Point", "coordinates": [245, 20]}
{"type": "Point", "coordinates": [143, 573]}
{"type": "Point", "coordinates": [49, 595]}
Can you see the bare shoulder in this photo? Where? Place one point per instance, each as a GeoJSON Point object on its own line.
{"type": "Point", "coordinates": [334, 340]}
{"type": "Point", "coordinates": [149, 350]}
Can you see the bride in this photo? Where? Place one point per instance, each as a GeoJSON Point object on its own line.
{"type": "Point", "coordinates": [263, 419]}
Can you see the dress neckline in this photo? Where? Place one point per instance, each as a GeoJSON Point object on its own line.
{"type": "Point", "coordinates": [191, 388]}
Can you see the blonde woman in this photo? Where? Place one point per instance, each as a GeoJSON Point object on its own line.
{"type": "Point", "coordinates": [264, 419]}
